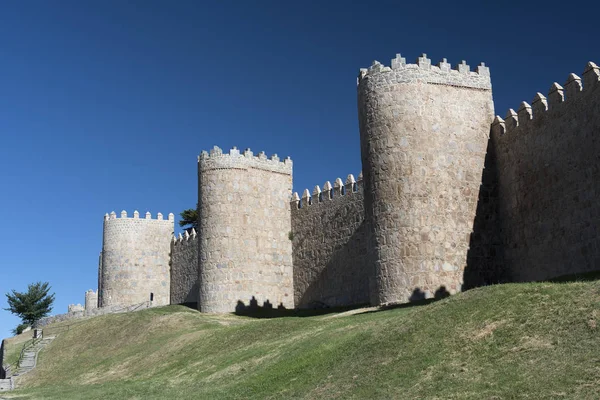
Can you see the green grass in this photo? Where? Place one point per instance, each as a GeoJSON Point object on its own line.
{"type": "Point", "coordinates": [525, 341]}
{"type": "Point", "coordinates": [14, 346]}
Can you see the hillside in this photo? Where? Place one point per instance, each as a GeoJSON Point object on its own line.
{"type": "Point", "coordinates": [534, 341]}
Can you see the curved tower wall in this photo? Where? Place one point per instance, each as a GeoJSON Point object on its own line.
{"type": "Point", "coordinates": [91, 300]}
{"type": "Point", "coordinates": [245, 250]}
{"type": "Point", "coordinates": [135, 259]}
{"type": "Point", "coordinates": [424, 131]}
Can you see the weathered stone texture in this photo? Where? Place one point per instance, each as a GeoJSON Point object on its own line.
{"type": "Point", "coordinates": [244, 226]}
{"type": "Point", "coordinates": [549, 182]}
{"type": "Point", "coordinates": [184, 269]}
{"type": "Point", "coordinates": [424, 131]}
{"type": "Point", "coordinates": [135, 259]}
{"type": "Point", "coordinates": [74, 308]}
{"type": "Point", "coordinates": [91, 300]}
{"type": "Point", "coordinates": [330, 247]}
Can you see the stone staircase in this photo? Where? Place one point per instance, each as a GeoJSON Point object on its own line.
{"type": "Point", "coordinates": [6, 384]}
{"type": "Point", "coordinates": [27, 362]}
{"type": "Point", "coordinates": [28, 359]}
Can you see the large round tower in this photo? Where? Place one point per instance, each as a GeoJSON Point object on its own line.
{"type": "Point", "coordinates": [424, 131]}
{"type": "Point", "coordinates": [135, 260]}
{"type": "Point", "coordinates": [245, 251]}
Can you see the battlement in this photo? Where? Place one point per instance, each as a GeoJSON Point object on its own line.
{"type": "Point", "coordinates": [185, 237]}
{"type": "Point", "coordinates": [329, 192]}
{"type": "Point", "coordinates": [136, 215]}
{"type": "Point", "coordinates": [235, 159]}
{"type": "Point", "coordinates": [573, 88]}
{"type": "Point", "coordinates": [423, 71]}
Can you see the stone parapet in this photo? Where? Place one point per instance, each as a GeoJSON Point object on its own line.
{"type": "Point", "coordinates": [184, 268]}
{"type": "Point", "coordinates": [329, 240]}
{"type": "Point", "coordinates": [135, 259]}
{"type": "Point", "coordinates": [424, 133]}
{"type": "Point", "coordinates": [548, 173]}
{"type": "Point", "coordinates": [423, 71]}
{"type": "Point", "coordinates": [216, 159]}
{"type": "Point", "coordinates": [245, 254]}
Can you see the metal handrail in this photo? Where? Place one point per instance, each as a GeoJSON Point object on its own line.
{"type": "Point", "coordinates": [25, 345]}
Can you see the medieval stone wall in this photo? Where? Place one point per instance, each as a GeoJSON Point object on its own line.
{"type": "Point", "coordinates": [184, 269]}
{"type": "Point", "coordinates": [548, 161]}
{"type": "Point", "coordinates": [424, 131]}
{"type": "Point", "coordinates": [135, 259]}
{"type": "Point", "coordinates": [330, 246]}
{"type": "Point", "coordinates": [245, 254]}
{"type": "Point", "coordinates": [91, 300]}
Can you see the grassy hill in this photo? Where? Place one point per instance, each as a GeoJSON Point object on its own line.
{"type": "Point", "coordinates": [532, 341]}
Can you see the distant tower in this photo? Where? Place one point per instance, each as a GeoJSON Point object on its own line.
{"type": "Point", "coordinates": [244, 225]}
{"type": "Point", "coordinates": [135, 259]}
{"type": "Point", "coordinates": [91, 300]}
{"type": "Point", "coordinates": [424, 131]}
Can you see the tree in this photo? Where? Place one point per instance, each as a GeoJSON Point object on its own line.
{"type": "Point", "coordinates": [19, 329]}
{"type": "Point", "coordinates": [32, 305]}
{"type": "Point", "coordinates": [189, 217]}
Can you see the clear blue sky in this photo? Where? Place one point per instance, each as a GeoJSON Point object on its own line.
{"type": "Point", "coordinates": [105, 105]}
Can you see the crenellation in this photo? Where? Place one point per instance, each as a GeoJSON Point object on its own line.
{"type": "Point", "coordinates": [350, 184]}
{"type": "Point", "coordinates": [444, 193]}
{"type": "Point", "coordinates": [498, 126]}
{"type": "Point", "coordinates": [424, 62]}
{"type": "Point", "coordinates": [327, 191]}
{"type": "Point", "coordinates": [555, 95]}
{"type": "Point", "coordinates": [444, 65]}
{"type": "Point", "coordinates": [483, 70]}
{"type": "Point", "coordinates": [539, 105]}
{"type": "Point", "coordinates": [216, 159]}
{"type": "Point", "coordinates": [591, 76]}
{"type": "Point", "coordinates": [316, 195]}
{"type": "Point", "coordinates": [398, 62]}
{"type": "Point", "coordinates": [572, 86]}
{"type": "Point", "coordinates": [135, 260]}
{"type": "Point", "coordinates": [423, 71]}
{"type": "Point", "coordinates": [463, 67]}
{"type": "Point", "coordinates": [306, 199]}
{"type": "Point", "coordinates": [524, 114]}
{"type": "Point", "coordinates": [546, 180]}
{"type": "Point", "coordinates": [338, 187]}
{"type": "Point", "coordinates": [511, 121]}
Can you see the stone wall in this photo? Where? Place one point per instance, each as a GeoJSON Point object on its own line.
{"type": "Point", "coordinates": [245, 254]}
{"type": "Point", "coordinates": [548, 161]}
{"type": "Point", "coordinates": [135, 259]}
{"type": "Point", "coordinates": [3, 367]}
{"type": "Point", "coordinates": [91, 300]}
{"type": "Point", "coordinates": [329, 246]}
{"type": "Point", "coordinates": [73, 308]}
{"type": "Point", "coordinates": [424, 131]}
{"type": "Point", "coordinates": [184, 269]}
{"type": "Point", "coordinates": [79, 314]}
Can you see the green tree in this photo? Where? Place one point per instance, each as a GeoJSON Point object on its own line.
{"type": "Point", "coordinates": [19, 329]}
{"type": "Point", "coordinates": [33, 304]}
{"type": "Point", "coordinates": [189, 218]}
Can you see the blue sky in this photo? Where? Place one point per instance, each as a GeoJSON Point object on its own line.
{"type": "Point", "coordinates": [105, 105]}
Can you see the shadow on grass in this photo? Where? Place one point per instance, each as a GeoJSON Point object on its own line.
{"type": "Point", "coordinates": [254, 310]}
{"type": "Point", "coordinates": [580, 277]}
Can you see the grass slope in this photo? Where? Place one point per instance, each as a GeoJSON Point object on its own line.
{"type": "Point", "coordinates": [536, 341]}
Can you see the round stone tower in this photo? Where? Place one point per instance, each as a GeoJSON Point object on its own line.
{"type": "Point", "coordinates": [424, 131]}
{"type": "Point", "coordinates": [91, 300]}
{"type": "Point", "coordinates": [245, 251]}
{"type": "Point", "coordinates": [135, 260]}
